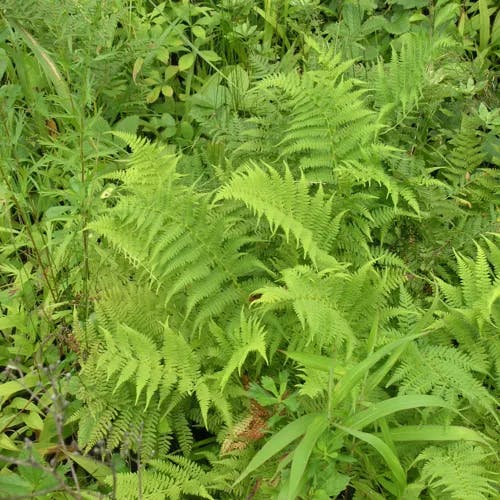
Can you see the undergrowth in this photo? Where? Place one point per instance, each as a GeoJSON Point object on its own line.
{"type": "Point", "coordinates": [249, 250]}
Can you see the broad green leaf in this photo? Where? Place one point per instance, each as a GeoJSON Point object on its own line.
{"type": "Point", "coordinates": [9, 388]}
{"type": "Point", "coordinates": [209, 55]}
{"type": "Point", "coordinates": [167, 91]}
{"type": "Point", "coordinates": [186, 61]}
{"type": "Point", "coordinates": [33, 421]}
{"type": "Point", "coordinates": [170, 72]}
{"type": "Point", "coordinates": [12, 485]}
{"type": "Point", "coordinates": [384, 450]}
{"type": "Point", "coordinates": [23, 404]}
{"type": "Point", "coordinates": [436, 433]}
{"type": "Point", "coordinates": [303, 452]}
{"type": "Point", "coordinates": [393, 405]}
{"type": "Point", "coordinates": [6, 443]}
{"type": "Point", "coordinates": [153, 95]}
{"type": "Point", "coordinates": [279, 441]}
{"type": "Point", "coordinates": [316, 362]}
{"type": "Point", "coordinates": [198, 32]}
{"type": "Point", "coordinates": [187, 131]}
{"type": "Point", "coordinates": [95, 468]}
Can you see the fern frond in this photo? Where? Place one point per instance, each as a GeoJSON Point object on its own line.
{"type": "Point", "coordinates": [443, 371]}
{"type": "Point", "coordinates": [401, 82]}
{"type": "Point", "coordinates": [312, 296]}
{"type": "Point", "coordinates": [459, 470]}
{"type": "Point", "coordinates": [328, 120]}
{"type": "Point", "coordinates": [183, 432]}
{"type": "Point", "coordinates": [287, 205]}
{"type": "Point", "coordinates": [171, 478]}
{"type": "Point", "coordinates": [132, 354]}
{"type": "Point", "coordinates": [473, 313]}
{"type": "Point", "coordinates": [249, 336]}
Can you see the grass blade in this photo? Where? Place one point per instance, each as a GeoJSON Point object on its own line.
{"type": "Point", "coordinates": [303, 452]}
{"type": "Point", "coordinates": [393, 405]}
{"type": "Point", "coordinates": [436, 433]}
{"type": "Point", "coordinates": [316, 362]}
{"type": "Point", "coordinates": [355, 374]}
{"type": "Point", "coordinates": [283, 438]}
{"type": "Point", "coordinates": [48, 65]}
{"type": "Point", "coordinates": [484, 25]}
{"type": "Point", "coordinates": [384, 450]}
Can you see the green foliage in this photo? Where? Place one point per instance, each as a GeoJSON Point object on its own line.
{"type": "Point", "coordinates": [457, 472]}
{"type": "Point", "coordinates": [249, 249]}
{"type": "Point", "coordinates": [287, 204]}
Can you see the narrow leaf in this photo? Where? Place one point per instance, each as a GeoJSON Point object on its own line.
{"type": "Point", "coordinates": [383, 449]}
{"type": "Point", "coordinates": [48, 65]}
{"type": "Point", "coordinates": [303, 452]}
{"type": "Point", "coordinates": [355, 374]}
{"type": "Point", "coordinates": [96, 469]}
{"type": "Point", "coordinates": [393, 405]}
{"type": "Point", "coordinates": [436, 433]}
{"type": "Point", "coordinates": [283, 438]}
{"type": "Point", "coordinates": [316, 362]}
{"type": "Point", "coordinates": [484, 25]}
{"type": "Point", "coordinates": [137, 68]}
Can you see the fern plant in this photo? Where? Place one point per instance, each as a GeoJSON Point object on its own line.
{"type": "Point", "coordinates": [160, 232]}
{"type": "Point", "coordinates": [144, 400]}
{"type": "Point", "coordinates": [458, 472]}
{"type": "Point", "coordinates": [460, 361]}
{"type": "Point", "coordinates": [322, 119]}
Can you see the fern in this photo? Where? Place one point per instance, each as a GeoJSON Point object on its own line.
{"type": "Point", "coordinates": [250, 336]}
{"type": "Point", "coordinates": [286, 204]}
{"type": "Point", "coordinates": [445, 372]}
{"type": "Point", "coordinates": [473, 316]}
{"type": "Point", "coordinates": [172, 477]}
{"type": "Point", "coordinates": [462, 360]}
{"type": "Point", "coordinates": [132, 355]}
{"type": "Point", "coordinates": [135, 385]}
{"type": "Point", "coordinates": [400, 85]}
{"type": "Point", "coordinates": [458, 472]}
{"type": "Point", "coordinates": [315, 120]}
{"type": "Point", "coordinates": [331, 305]}
{"type": "Point", "coordinates": [329, 124]}
{"type": "Point", "coordinates": [177, 240]}
{"type": "Point", "coordinates": [465, 168]}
